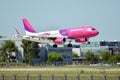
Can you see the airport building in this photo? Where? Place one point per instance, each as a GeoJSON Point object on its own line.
{"type": "Point", "coordinates": [93, 46]}
{"type": "Point", "coordinates": [112, 46]}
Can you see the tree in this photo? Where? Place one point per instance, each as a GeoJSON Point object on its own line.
{"type": "Point", "coordinates": [105, 55]}
{"type": "Point", "coordinates": [6, 51]}
{"type": "Point", "coordinates": [75, 55]}
{"type": "Point", "coordinates": [31, 50]}
{"type": "Point", "coordinates": [96, 58]}
{"type": "Point", "coordinates": [114, 59]}
{"type": "Point", "coordinates": [54, 56]}
{"type": "Point", "coordinates": [90, 57]}
{"type": "Point", "coordinates": [3, 54]}
{"type": "Point", "coordinates": [2, 57]}
{"type": "Point", "coordinates": [118, 58]}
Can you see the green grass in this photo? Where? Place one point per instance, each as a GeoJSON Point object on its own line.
{"type": "Point", "coordinates": [59, 75]}
{"type": "Point", "coordinates": [70, 72]}
{"type": "Point", "coordinates": [66, 66]}
{"type": "Point", "coordinates": [50, 72]}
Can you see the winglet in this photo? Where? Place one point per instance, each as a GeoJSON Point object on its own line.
{"type": "Point", "coordinates": [28, 27]}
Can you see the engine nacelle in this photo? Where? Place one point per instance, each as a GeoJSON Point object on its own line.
{"type": "Point", "coordinates": [59, 40]}
{"type": "Point", "coordinates": [86, 43]}
{"type": "Point", "coordinates": [80, 40]}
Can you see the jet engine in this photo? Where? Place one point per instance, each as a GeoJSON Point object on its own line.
{"type": "Point", "coordinates": [59, 40]}
{"type": "Point", "coordinates": [81, 40]}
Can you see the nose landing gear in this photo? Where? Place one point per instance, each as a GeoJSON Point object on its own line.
{"type": "Point", "coordinates": [69, 45]}
{"type": "Point", "coordinates": [55, 46]}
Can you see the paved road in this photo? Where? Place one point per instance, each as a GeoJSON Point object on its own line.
{"type": "Point", "coordinates": [59, 69]}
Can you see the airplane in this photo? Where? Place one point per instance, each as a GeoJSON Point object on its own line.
{"type": "Point", "coordinates": [79, 34]}
{"type": "Point", "coordinates": [17, 31]}
{"type": "Point", "coordinates": [18, 34]}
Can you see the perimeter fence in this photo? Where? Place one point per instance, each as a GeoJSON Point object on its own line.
{"type": "Point", "coordinates": [56, 77]}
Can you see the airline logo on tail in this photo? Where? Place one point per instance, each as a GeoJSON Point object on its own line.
{"type": "Point", "coordinates": [79, 34]}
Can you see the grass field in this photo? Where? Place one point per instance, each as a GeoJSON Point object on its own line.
{"type": "Point", "coordinates": [65, 66]}
{"type": "Point", "coordinates": [60, 75]}
{"type": "Point", "coordinates": [50, 72]}
{"type": "Point", "coordinates": [58, 72]}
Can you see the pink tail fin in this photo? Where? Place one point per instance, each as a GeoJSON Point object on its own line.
{"type": "Point", "coordinates": [28, 27]}
{"type": "Point", "coordinates": [17, 31]}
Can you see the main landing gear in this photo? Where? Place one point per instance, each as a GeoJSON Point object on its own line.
{"type": "Point", "coordinates": [69, 45]}
{"type": "Point", "coordinates": [55, 46]}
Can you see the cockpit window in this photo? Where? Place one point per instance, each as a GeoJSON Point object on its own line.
{"type": "Point", "coordinates": [93, 28]}
{"type": "Point", "coordinates": [90, 29]}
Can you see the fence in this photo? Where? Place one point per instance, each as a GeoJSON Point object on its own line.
{"type": "Point", "coordinates": [53, 77]}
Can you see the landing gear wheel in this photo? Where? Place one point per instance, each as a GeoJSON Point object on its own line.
{"type": "Point", "coordinates": [55, 46]}
{"type": "Point", "coordinates": [69, 45]}
{"type": "Point", "coordinates": [88, 42]}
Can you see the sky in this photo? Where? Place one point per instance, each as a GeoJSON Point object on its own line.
{"type": "Point", "coordinates": [46, 15]}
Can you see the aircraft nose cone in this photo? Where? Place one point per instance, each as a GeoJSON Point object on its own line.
{"type": "Point", "coordinates": [96, 32]}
